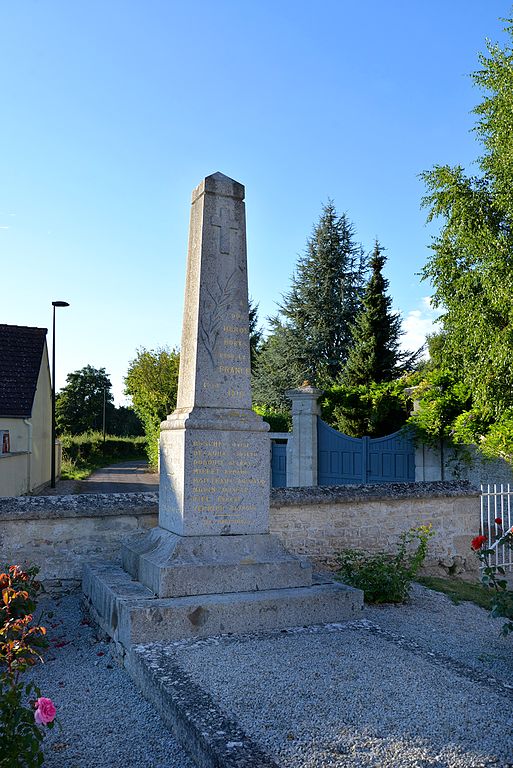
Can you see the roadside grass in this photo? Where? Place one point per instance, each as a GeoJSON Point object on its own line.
{"type": "Point", "coordinates": [82, 454]}
{"type": "Point", "coordinates": [458, 590]}
{"type": "Point", "coordinates": [80, 469]}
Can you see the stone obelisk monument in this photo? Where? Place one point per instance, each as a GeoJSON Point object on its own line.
{"type": "Point", "coordinates": [214, 450]}
{"type": "Point", "coordinates": [211, 565]}
{"type": "Point", "coordinates": [213, 535]}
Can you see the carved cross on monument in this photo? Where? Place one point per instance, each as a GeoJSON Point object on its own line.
{"type": "Point", "coordinates": [226, 225]}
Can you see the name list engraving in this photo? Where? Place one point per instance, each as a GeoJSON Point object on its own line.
{"type": "Point", "coordinates": [223, 480]}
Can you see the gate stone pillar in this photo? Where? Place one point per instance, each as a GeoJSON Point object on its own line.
{"type": "Point", "coordinates": [302, 448]}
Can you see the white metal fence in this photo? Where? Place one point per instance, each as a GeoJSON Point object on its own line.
{"type": "Point", "coordinates": [496, 502]}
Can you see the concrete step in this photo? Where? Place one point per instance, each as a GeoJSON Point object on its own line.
{"type": "Point", "coordinates": [131, 614]}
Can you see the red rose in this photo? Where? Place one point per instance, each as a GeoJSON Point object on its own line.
{"type": "Point", "coordinates": [498, 520]}
{"type": "Point", "coordinates": [478, 542]}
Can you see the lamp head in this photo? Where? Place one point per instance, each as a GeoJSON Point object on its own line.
{"type": "Point", "coordinates": [60, 304]}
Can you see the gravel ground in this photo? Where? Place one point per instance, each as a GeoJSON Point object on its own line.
{"type": "Point", "coordinates": [426, 685]}
{"type": "Point", "coordinates": [105, 721]}
{"type": "Point", "coordinates": [420, 686]}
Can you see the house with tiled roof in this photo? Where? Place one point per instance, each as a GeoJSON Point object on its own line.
{"type": "Point", "coordinates": [25, 410]}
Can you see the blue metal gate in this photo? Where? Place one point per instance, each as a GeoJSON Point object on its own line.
{"type": "Point", "coordinates": [279, 465]}
{"type": "Point", "coordinates": [344, 460]}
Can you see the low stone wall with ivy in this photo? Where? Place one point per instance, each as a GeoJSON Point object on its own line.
{"type": "Point", "coordinates": [60, 533]}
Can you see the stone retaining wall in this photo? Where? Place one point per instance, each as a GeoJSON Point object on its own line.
{"type": "Point", "coordinates": [60, 533]}
{"type": "Point", "coordinates": [321, 521]}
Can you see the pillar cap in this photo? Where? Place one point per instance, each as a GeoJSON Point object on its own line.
{"type": "Point", "coordinates": [304, 391]}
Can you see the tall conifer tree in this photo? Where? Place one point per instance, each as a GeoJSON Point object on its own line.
{"type": "Point", "coordinates": [374, 356]}
{"type": "Point", "coordinates": [325, 295]}
{"type": "Point", "coordinates": [310, 339]}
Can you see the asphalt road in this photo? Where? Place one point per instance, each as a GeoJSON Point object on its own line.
{"type": "Point", "coordinates": [127, 477]}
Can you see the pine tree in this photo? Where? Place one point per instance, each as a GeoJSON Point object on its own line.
{"type": "Point", "coordinates": [310, 339]}
{"type": "Point", "coordinates": [275, 371]}
{"type": "Point", "coordinates": [325, 295]}
{"type": "Point", "coordinates": [255, 332]}
{"type": "Point", "coordinates": [374, 356]}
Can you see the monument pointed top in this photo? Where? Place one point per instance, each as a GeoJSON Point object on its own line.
{"type": "Point", "coordinates": [220, 176]}
{"type": "Point", "coordinates": [219, 184]}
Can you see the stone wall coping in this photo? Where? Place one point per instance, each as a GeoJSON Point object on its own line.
{"type": "Point", "coordinates": [116, 504]}
{"type": "Point", "coordinates": [328, 494]}
{"type": "Point", "coordinates": [78, 505]}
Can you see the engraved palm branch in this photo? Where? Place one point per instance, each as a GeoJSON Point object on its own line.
{"type": "Point", "coordinates": [211, 323]}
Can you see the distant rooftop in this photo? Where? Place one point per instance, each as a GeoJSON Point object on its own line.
{"type": "Point", "coordinates": [21, 350]}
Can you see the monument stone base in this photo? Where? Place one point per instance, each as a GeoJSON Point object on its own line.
{"type": "Point", "coordinates": [131, 613]}
{"type": "Point", "coordinates": [180, 566]}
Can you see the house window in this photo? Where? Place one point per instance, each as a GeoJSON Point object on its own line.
{"type": "Point", "coordinates": [5, 443]}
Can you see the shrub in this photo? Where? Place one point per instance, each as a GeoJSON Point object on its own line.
{"type": "Point", "coordinates": [493, 576]}
{"type": "Point", "coordinates": [386, 578]}
{"type": "Point", "coordinates": [371, 409]}
{"type": "Point", "coordinates": [20, 644]}
{"type": "Point", "coordinates": [90, 447]}
{"type": "Point", "coordinates": [279, 421]}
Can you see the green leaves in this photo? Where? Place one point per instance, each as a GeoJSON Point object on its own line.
{"type": "Point", "coordinates": [79, 405]}
{"type": "Point", "coordinates": [385, 577]}
{"type": "Point", "coordinates": [152, 383]}
{"type": "Point", "coordinates": [502, 599]}
{"type": "Point", "coordinates": [471, 267]}
{"type": "Point", "coordinates": [441, 398]}
{"type": "Point", "coordinates": [20, 737]}
{"type": "Point", "coordinates": [374, 410]}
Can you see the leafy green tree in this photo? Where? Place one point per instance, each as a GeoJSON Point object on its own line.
{"type": "Point", "coordinates": [152, 383]}
{"type": "Point", "coordinates": [471, 266]}
{"type": "Point", "coordinates": [124, 422]}
{"type": "Point", "coordinates": [374, 355]}
{"type": "Point", "coordinates": [441, 398]}
{"type": "Point", "coordinates": [79, 405]}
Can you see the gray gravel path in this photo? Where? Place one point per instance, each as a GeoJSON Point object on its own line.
{"type": "Point", "coordinates": [420, 686]}
{"type": "Point", "coordinates": [426, 685]}
{"type": "Point", "coordinates": [105, 720]}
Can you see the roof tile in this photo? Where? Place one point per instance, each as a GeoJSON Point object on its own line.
{"type": "Point", "coordinates": [21, 350]}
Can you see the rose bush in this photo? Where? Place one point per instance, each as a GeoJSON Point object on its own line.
{"type": "Point", "coordinates": [493, 576]}
{"type": "Point", "coordinates": [45, 711]}
{"type": "Point", "coordinates": [21, 644]}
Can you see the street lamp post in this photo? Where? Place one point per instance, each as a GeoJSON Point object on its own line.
{"type": "Point", "coordinates": [52, 454]}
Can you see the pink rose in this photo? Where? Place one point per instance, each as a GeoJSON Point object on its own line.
{"type": "Point", "coordinates": [45, 711]}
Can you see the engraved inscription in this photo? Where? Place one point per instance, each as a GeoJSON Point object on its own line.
{"type": "Point", "coordinates": [223, 481]}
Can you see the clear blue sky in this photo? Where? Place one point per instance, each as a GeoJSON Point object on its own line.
{"type": "Point", "coordinates": [113, 110]}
